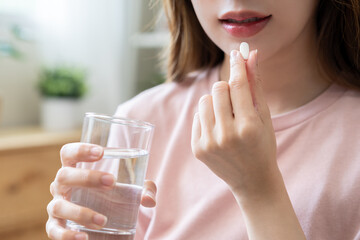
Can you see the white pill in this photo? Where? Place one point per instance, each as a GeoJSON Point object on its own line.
{"type": "Point", "coordinates": [244, 50]}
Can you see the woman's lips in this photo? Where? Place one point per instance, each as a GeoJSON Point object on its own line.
{"type": "Point", "coordinates": [244, 24]}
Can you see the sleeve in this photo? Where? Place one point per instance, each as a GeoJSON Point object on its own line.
{"type": "Point", "coordinates": [143, 223]}
{"type": "Point", "coordinates": [122, 110]}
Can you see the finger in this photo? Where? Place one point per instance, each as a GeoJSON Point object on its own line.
{"type": "Point", "coordinates": [73, 153]}
{"type": "Point", "coordinates": [52, 189]}
{"type": "Point", "coordinates": [206, 115]}
{"type": "Point", "coordinates": [222, 103]}
{"type": "Point", "coordinates": [62, 209]}
{"type": "Point", "coordinates": [148, 198]}
{"type": "Point", "coordinates": [240, 94]}
{"type": "Point", "coordinates": [256, 86]}
{"type": "Point", "coordinates": [77, 177]}
{"type": "Point", "coordinates": [196, 130]}
{"type": "Point", "coordinates": [56, 232]}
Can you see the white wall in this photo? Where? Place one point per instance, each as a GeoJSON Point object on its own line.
{"type": "Point", "coordinates": [90, 33]}
{"type": "Point", "coordinates": [19, 99]}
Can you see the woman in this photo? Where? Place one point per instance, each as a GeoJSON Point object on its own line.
{"type": "Point", "coordinates": [276, 137]}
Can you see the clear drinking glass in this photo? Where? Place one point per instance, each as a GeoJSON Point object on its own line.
{"type": "Point", "coordinates": [127, 144]}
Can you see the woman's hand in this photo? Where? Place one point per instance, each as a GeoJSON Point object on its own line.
{"type": "Point", "coordinates": [233, 133]}
{"type": "Point", "coordinates": [61, 209]}
{"type": "Point", "coordinates": [234, 137]}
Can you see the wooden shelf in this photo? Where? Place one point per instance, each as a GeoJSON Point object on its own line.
{"type": "Point", "coordinates": [30, 137]}
{"type": "Point", "coordinates": [29, 160]}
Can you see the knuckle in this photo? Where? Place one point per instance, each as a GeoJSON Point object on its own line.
{"type": "Point", "coordinates": [198, 152]}
{"type": "Point", "coordinates": [49, 207]}
{"type": "Point", "coordinates": [62, 175]}
{"type": "Point", "coordinates": [55, 206]}
{"type": "Point", "coordinates": [52, 188]}
{"type": "Point", "coordinates": [205, 99]}
{"type": "Point", "coordinates": [64, 149]}
{"type": "Point", "coordinates": [251, 119]}
{"type": "Point", "coordinates": [210, 146]}
{"type": "Point", "coordinates": [81, 151]}
{"type": "Point", "coordinates": [250, 122]}
{"type": "Point", "coordinates": [236, 82]}
{"type": "Point", "coordinates": [205, 148]}
{"type": "Point", "coordinates": [235, 63]}
{"type": "Point", "coordinates": [69, 153]}
{"type": "Point", "coordinates": [75, 151]}
{"type": "Point", "coordinates": [219, 87]}
{"type": "Point", "coordinates": [248, 131]}
{"type": "Point", "coordinates": [80, 213]}
{"type": "Point", "coordinates": [87, 177]}
{"type": "Point", "coordinates": [226, 140]}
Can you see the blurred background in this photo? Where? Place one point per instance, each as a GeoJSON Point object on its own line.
{"type": "Point", "coordinates": [58, 60]}
{"type": "Point", "coordinates": [101, 37]}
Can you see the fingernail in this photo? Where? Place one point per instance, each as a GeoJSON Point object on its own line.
{"type": "Point", "coordinates": [107, 180]}
{"type": "Point", "coordinates": [81, 236]}
{"type": "Point", "coordinates": [151, 195]}
{"type": "Point", "coordinates": [99, 220]}
{"type": "Point", "coordinates": [244, 50]}
{"type": "Point", "coordinates": [234, 55]}
{"type": "Point", "coordinates": [96, 151]}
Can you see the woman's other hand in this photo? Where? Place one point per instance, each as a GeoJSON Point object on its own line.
{"type": "Point", "coordinates": [61, 209]}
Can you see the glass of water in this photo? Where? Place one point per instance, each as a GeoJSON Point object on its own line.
{"type": "Point", "coordinates": [127, 144]}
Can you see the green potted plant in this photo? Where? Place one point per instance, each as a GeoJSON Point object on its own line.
{"type": "Point", "coordinates": [61, 88]}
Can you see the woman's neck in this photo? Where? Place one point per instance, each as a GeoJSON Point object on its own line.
{"type": "Point", "coordinates": [290, 79]}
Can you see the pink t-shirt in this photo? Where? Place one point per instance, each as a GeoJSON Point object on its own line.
{"type": "Point", "coordinates": [318, 148]}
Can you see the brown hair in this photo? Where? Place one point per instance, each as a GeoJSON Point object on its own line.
{"type": "Point", "coordinates": [190, 48]}
{"type": "Point", "coordinates": [338, 29]}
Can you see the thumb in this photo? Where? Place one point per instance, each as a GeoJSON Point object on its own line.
{"type": "Point", "coordinates": [148, 198]}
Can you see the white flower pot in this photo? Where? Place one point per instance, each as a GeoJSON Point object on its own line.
{"type": "Point", "coordinates": [58, 114]}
